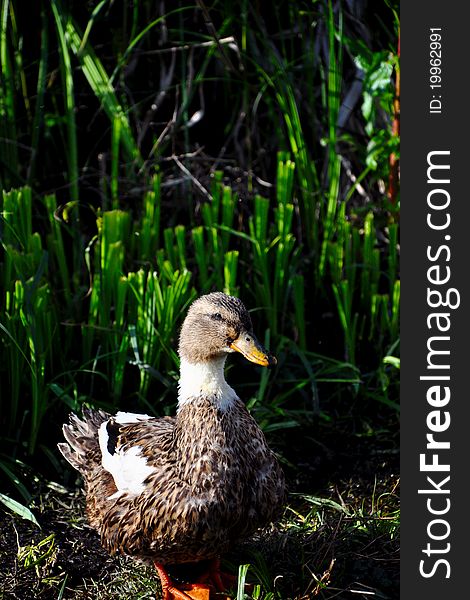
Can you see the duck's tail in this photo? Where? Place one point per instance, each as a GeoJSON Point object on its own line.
{"type": "Point", "coordinates": [82, 447]}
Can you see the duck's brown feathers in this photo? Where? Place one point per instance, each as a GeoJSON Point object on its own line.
{"type": "Point", "coordinates": [215, 481]}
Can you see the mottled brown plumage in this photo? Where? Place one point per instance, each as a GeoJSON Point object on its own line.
{"type": "Point", "coordinates": [184, 488]}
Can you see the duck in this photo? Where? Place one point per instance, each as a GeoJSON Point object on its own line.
{"type": "Point", "coordinates": [185, 488]}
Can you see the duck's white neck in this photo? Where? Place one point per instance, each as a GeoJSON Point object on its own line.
{"type": "Point", "coordinates": [204, 379]}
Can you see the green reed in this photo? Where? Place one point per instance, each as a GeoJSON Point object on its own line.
{"type": "Point", "coordinates": [8, 133]}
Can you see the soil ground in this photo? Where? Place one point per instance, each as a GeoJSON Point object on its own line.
{"type": "Point", "coordinates": [338, 538]}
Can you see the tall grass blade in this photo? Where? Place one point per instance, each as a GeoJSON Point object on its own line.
{"type": "Point", "coordinates": [102, 87]}
{"type": "Point", "coordinates": [40, 95]}
{"type": "Point", "coordinates": [69, 100]}
{"type": "Point", "coordinates": [334, 159]}
{"type": "Point", "coordinates": [8, 136]}
{"type": "Point", "coordinates": [115, 144]}
{"type": "Point", "coordinates": [242, 573]}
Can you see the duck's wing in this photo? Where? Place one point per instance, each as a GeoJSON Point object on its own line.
{"type": "Point", "coordinates": [133, 447]}
{"type": "Point", "coordinates": [116, 454]}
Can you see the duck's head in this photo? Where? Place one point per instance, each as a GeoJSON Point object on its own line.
{"type": "Point", "coordinates": [217, 324]}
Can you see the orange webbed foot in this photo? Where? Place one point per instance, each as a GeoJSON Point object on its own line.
{"type": "Point", "coordinates": [190, 591]}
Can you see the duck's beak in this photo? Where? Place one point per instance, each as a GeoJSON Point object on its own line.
{"type": "Point", "coordinates": [252, 350]}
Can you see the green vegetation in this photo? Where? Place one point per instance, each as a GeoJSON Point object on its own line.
{"type": "Point", "coordinates": [148, 157]}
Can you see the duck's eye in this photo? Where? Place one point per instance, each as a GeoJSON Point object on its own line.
{"type": "Point", "coordinates": [217, 317]}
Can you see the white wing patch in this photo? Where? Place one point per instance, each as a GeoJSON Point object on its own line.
{"type": "Point", "coordinates": [126, 418]}
{"type": "Point", "coordinates": [128, 467]}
